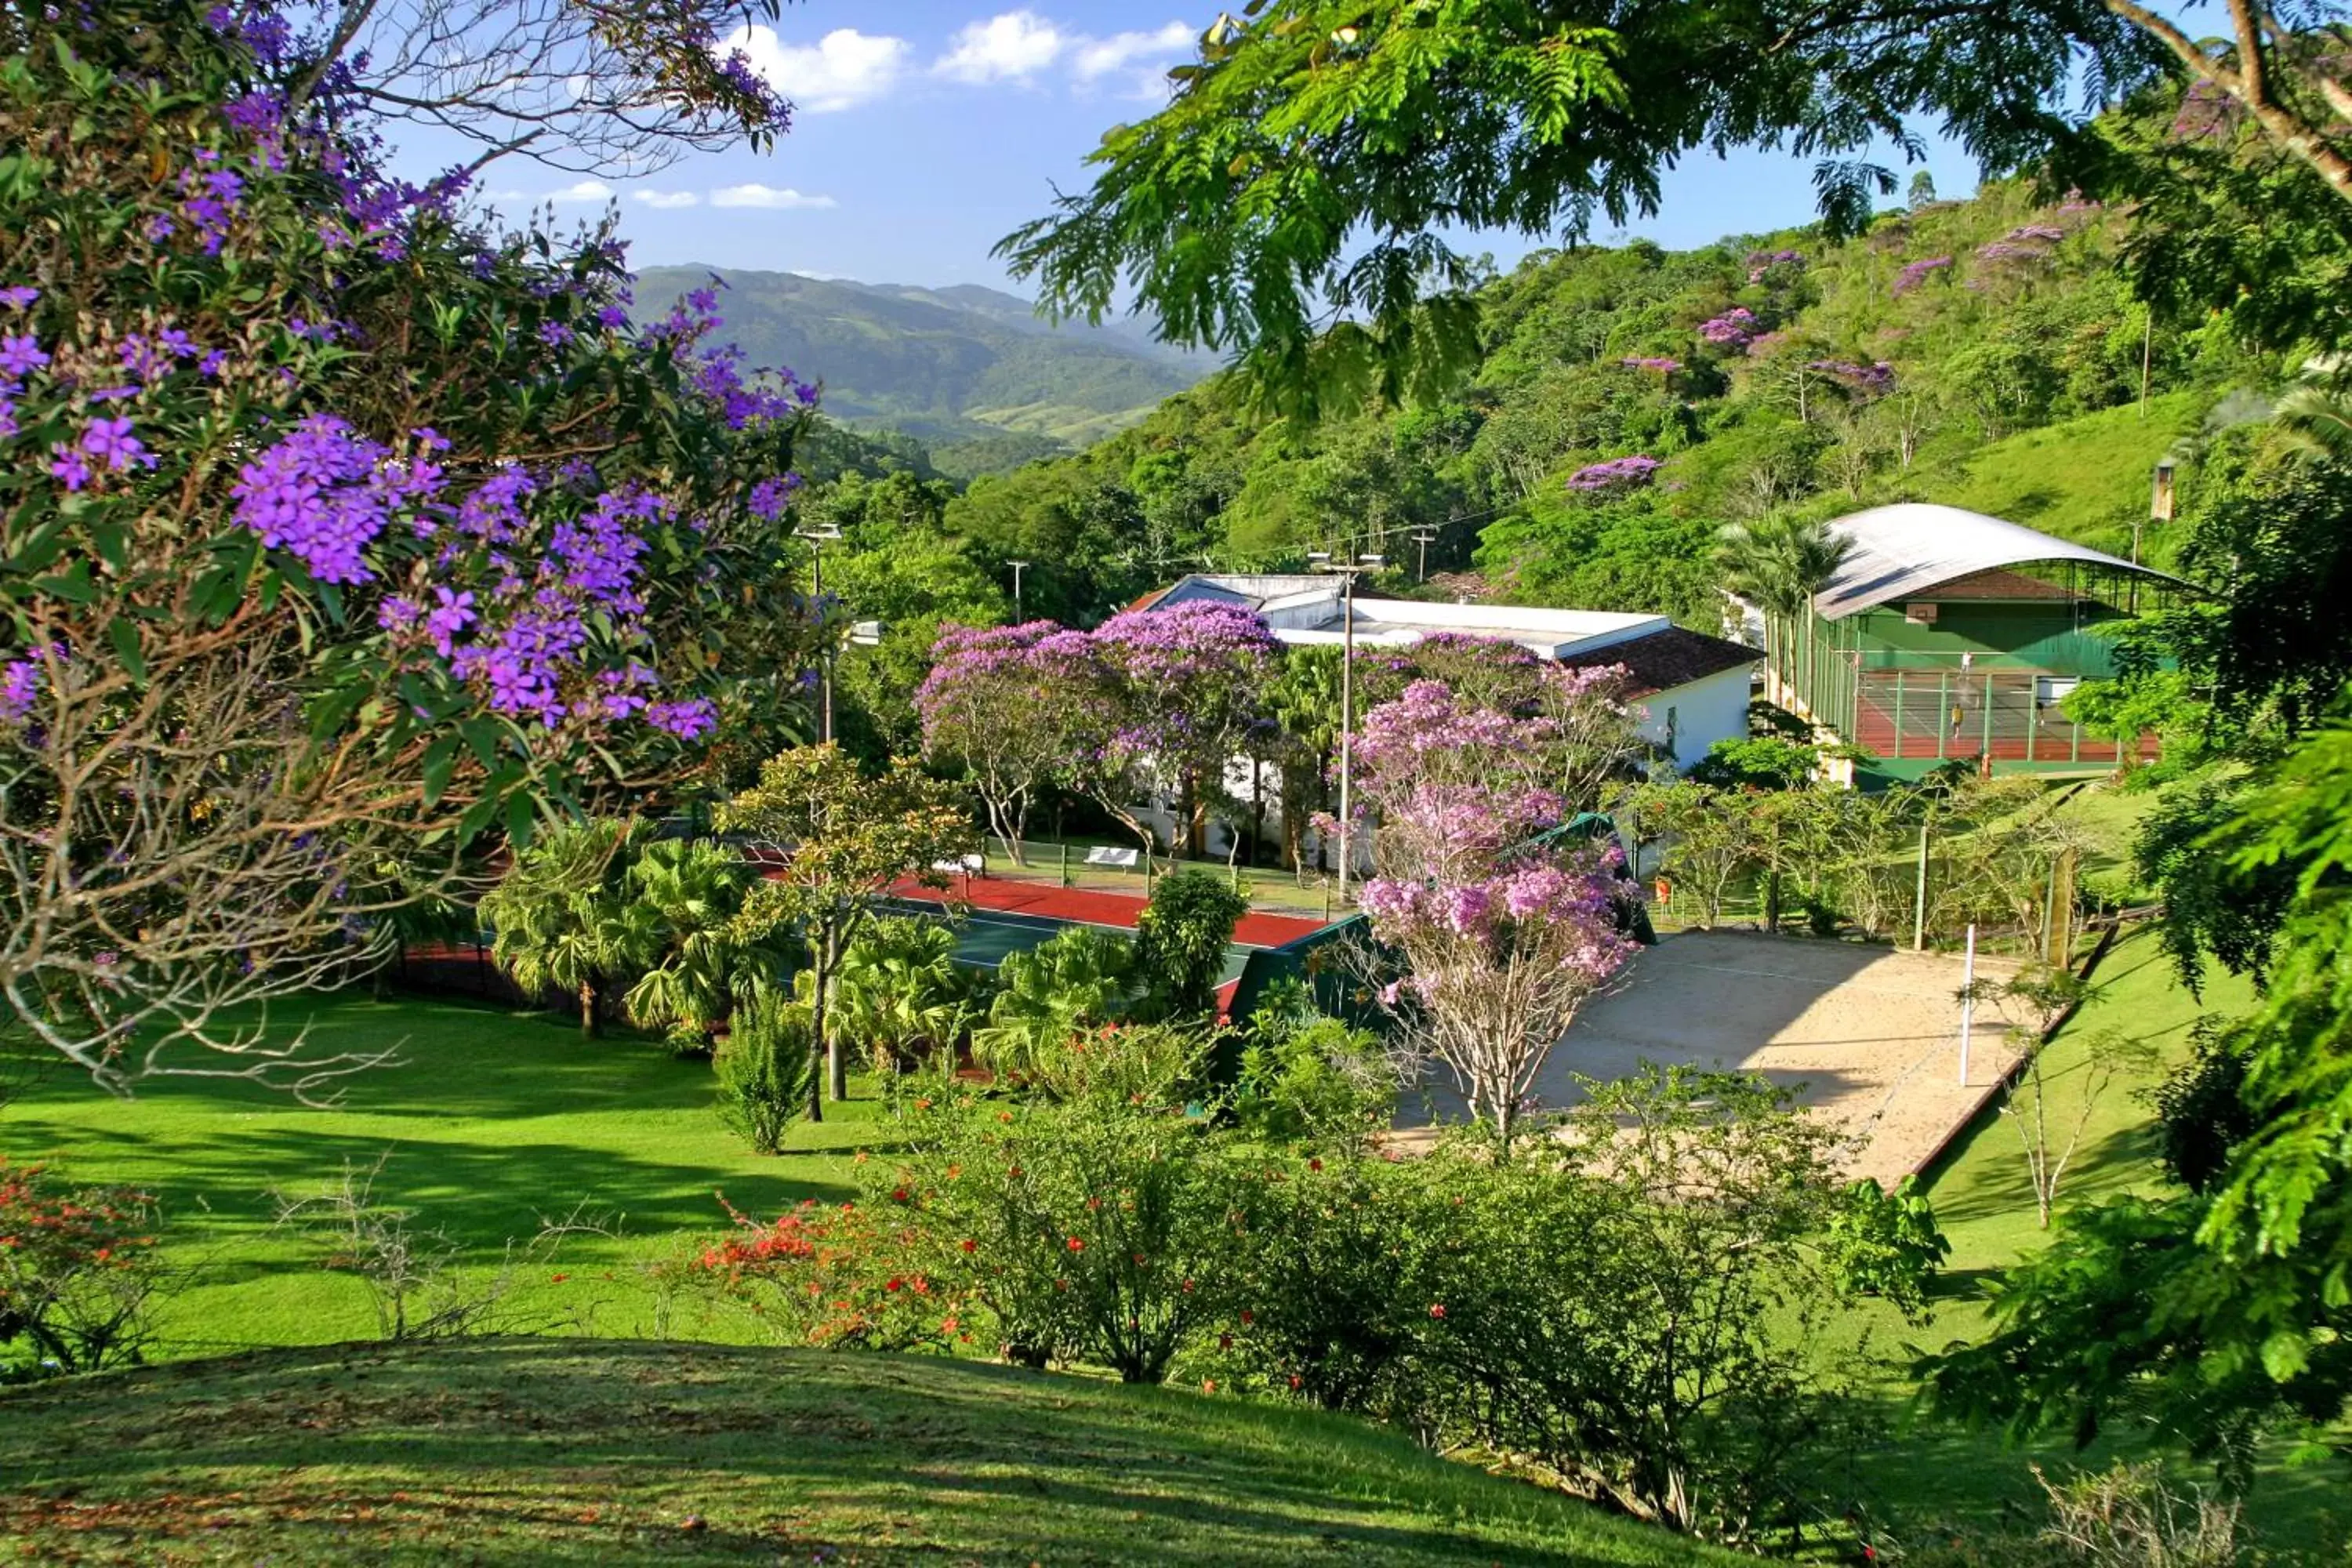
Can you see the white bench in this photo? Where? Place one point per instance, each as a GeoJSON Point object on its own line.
{"type": "Point", "coordinates": [1104, 854]}
{"type": "Point", "coordinates": [969, 865]}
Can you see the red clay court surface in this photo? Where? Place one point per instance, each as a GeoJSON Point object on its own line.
{"type": "Point", "coordinates": [1085, 905]}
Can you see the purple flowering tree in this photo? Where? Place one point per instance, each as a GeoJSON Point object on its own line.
{"type": "Point", "coordinates": [1502, 935]}
{"type": "Point", "coordinates": [998, 704]}
{"type": "Point", "coordinates": [1184, 695]}
{"type": "Point", "coordinates": [1617, 474]}
{"type": "Point", "coordinates": [341, 535]}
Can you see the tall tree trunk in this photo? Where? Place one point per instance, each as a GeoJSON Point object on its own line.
{"type": "Point", "coordinates": [837, 1064]}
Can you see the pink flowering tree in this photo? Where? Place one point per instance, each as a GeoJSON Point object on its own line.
{"type": "Point", "coordinates": [1000, 704]}
{"type": "Point", "coordinates": [1502, 932]}
{"type": "Point", "coordinates": [343, 534]}
{"type": "Point", "coordinates": [1184, 692]}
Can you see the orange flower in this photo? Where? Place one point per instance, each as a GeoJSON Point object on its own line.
{"type": "Point", "coordinates": [1076, 1245]}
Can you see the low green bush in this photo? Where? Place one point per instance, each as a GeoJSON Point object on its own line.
{"type": "Point", "coordinates": [766, 1069]}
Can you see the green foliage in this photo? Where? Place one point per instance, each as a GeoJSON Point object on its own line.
{"type": "Point", "coordinates": [2215, 910]}
{"type": "Point", "coordinates": [698, 964]}
{"type": "Point", "coordinates": [1312, 1081]}
{"type": "Point", "coordinates": [767, 1069]}
{"type": "Point", "coordinates": [902, 997]}
{"type": "Point", "coordinates": [1069, 985]}
{"type": "Point", "coordinates": [1887, 1244]}
{"type": "Point", "coordinates": [2201, 1114]}
{"type": "Point", "coordinates": [1760, 761]}
{"type": "Point", "coordinates": [1180, 939]}
{"type": "Point", "coordinates": [1101, 1228]}
{"type": "Point", "coordinates": [561, 918]}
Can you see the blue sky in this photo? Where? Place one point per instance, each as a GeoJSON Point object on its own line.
{"type": "Point", "coordinates": [928, 129]}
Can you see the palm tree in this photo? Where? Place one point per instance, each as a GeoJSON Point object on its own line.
{"type": "Point", "coordinates": [900, 992]}
{"type": "Point", "coordinates": [691, 892]}
{"type": "Point", "coordinates": [2316, 420]}
{"type": "Point", "coordinates": [559, 921]}
{"type": "Point", "coordinates": [1778, 563]}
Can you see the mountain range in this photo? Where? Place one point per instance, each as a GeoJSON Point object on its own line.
{"type": "Point", "coordinates": [961, 364]}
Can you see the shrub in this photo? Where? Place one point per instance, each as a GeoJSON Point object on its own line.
{"type": "Point", "coordinates": [78, 1269]}
{"type": "Point", "coordinates": [1315, 1083]}
{"type": "Point", "coordinates": [1096, 1228]}
{"type": "Point", "coordinates": [845, 1275]}
{"type": "Point", "coordinates": [1181, 941]}
{"type": "Point", "coordinates": [1072, 985]}
{"type": "Point", "coordinates": [1342, 1269]}
{"type": "Point", "coordinates": [1887, 1244]}
{"type": "Point", "coordinates": [765, 1069]}
{"type": "Point", "coordinates": [900, 994]}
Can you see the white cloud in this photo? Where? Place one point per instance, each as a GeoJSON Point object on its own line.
{"type": "Point", "coordinates": [585, 190]}
{"type": "Point", "coordinates": [664, 200]}
{"type": "Point", "coordinates": [1014, 46]}
{"type": "Point", "coordinates": [841, 70]}
{"type": "Point", "coordinates": [1101, 57]}
{"type": "Point", "coordinates": [767, 196]}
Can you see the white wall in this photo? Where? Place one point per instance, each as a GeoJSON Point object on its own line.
{"type": "Point", "coordinates": [1710, 709]}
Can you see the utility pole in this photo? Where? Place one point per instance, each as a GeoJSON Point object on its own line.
{"type": "Point", "coordinates": [818, 538]}
{"type": "Point", "coordinates": [1346, 571]}
{"type": "Point", "coordinates": [1423, 538]}
{"type": "Point", "coordinates": [1016, 566]}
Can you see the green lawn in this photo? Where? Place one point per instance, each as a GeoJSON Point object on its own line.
{"type": "Point", "coordinates": [491, 1121]}
{"type": "Point", "coordinates": [581, 1451]}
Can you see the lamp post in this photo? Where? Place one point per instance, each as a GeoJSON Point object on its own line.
{"type": "Point", "coordinates": [818, 537]}
{"type": "Point", "coordinates": [1423, 538]}
{"type": "Point", "coordinates": [1346, 571]}
{"type": "Point", "coordinates": [1016, 566]}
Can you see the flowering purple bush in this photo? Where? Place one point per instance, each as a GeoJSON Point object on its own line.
{"type": "Point", "coordinates": [1618, 473]}
{"type": "Point", "coordinates": [1760, 263]}
{"type": "Point", "coordinates": [1000, 701]}
{"type": "Point", "coordinates": [1863, 380]}
{"type": "Point", "coordinates": [1661, 365]}
{"type": "Point", "coordinates": [326, 504]}
{"type": "Point", "coordinates": [1730, 330]}
{"type": "Point", "coordinates": [1917, 272]}
{"type": "Point", "coordinates": [1502, 937]}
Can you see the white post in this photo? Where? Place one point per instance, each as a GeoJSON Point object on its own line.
{"type": "Point", "coordinates": [1347, 719]}
{"type": "Point", "coordinates": [1968, 1003]}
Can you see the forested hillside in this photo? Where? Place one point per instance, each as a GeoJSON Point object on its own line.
{"type": "Point", "coordinates": [1986, 352]}
{"type": "Point", "coordinates": [958, 367]}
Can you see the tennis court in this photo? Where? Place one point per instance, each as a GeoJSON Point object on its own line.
{"type": "Point", "coordinates": [1000, 916]}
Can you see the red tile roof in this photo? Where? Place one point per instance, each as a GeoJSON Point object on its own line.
{"type": "Point", "coordinates": [1664, 660]}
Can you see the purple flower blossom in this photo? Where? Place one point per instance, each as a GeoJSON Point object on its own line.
{"type": "Point", "coordinates": [20, 682]}
{"type": "Point", "coordinates": [770, 496]}
{"type": "Point", "coordinates": [1730, 330]}
{"type": "Point", "coordinates": [324, 493]}
{"type": "Point", "coordinates": [18, 296]}
{"type": "Point", "coordinates": [21, 356]}
{"type": "Point", "coordinates": [1664, 366]}
{"type": "Point", "coordinates": [453, 615]}
{"type": "Point", "coordinates": [1919, 272]}
{"type": "Point", "coordinates": [109, 441]}
{"type": "Point", "coordinates": [555, 334]}
{"type": "Point", "coordinates": [689, 721]}
{"type": "Point", "coordinates": [1618, 472]}
{"type": "Point", "coordinates": [67, 466]}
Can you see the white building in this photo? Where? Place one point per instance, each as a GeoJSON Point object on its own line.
{"type": "Point", "coordinates": [1694, 687]}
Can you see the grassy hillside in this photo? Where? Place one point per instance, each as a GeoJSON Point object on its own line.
{"type": "Point", "coordinates": [2085, 478]}
{"type": "Point", "coordinates": [943, 365]}
{"type": "Point", "coordinates": [489, 1123]}
{"type": "Point", "coordinates": [583, 1451]}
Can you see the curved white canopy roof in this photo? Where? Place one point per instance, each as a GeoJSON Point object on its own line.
{"type": "Point", "coordinates": [1903, 550]}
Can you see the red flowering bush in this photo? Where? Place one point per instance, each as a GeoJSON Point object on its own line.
{"type": "Point", "coordinates": [77, 1268]}
{"type": "Point", "coordinates": [857, 1275]}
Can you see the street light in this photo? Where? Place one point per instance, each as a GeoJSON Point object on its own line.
{"type": "Point", "coordinates": [818, 537]}
{"type": "Point", "coordinates": [1346, 571]}
{"type": "Point", "coordinates": [1016, 566]}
